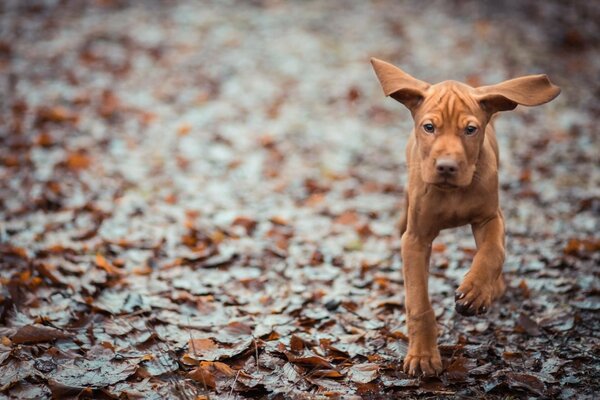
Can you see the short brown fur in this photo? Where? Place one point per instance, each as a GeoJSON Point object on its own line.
{"type": "Point", "coordinates": [453, 181]}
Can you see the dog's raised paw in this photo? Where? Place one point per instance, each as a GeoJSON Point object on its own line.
{"type": "Point", "coordinates": [468, 310]}
{"type": "Point", "coordinates": [474, 302]}
{"type": "Point", "coordinates": [475, 297]}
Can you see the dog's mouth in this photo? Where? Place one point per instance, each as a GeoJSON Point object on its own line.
{"type": "Point", "coordinates": [445, 185]}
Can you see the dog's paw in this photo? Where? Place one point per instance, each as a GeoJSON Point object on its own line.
{"type": "Point", "coordinates": [474, 298]}
{"type": "Point", "coordinates": [426, 365]}
{"type": "Point", "coordinates": [467, 308]}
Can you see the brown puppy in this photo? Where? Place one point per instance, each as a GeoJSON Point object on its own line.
{"type": "Point", "coordinates": [452, 158]}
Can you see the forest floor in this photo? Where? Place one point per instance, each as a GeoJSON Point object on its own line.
{"type": "Point", "coordinates": [200, 200]}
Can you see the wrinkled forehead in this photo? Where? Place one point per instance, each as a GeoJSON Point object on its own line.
{"type": "Point", "coordinates": [450, 101]}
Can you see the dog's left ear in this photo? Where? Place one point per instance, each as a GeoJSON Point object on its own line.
{"type": "Point", "coordinates": [399, 85]}
{"type": "Point", "coordinates": [531, 90]}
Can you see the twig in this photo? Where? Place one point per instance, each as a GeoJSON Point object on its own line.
{"type": "Point", "coordinates": [256, 352]}
{"type": "Point", "coordinates": [234, 382]}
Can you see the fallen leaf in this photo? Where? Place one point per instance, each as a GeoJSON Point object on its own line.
{"type": "Point", "coordinates": [591, 303]}
{"type": "Point", "coordinates": [347, 218]}
{"type": "Point", "coordinates": [110, 269]}
{"type": "Point", "coordinates": [363, 373]}
{"type": "Point", "coordinates": [78, 161]}
{"type": "Point", "coordinates": [38, 334]}
{"type": "Point", "coordinates": [56, 114]}
{"type": "Point", "coordinates": [309, 360]}
{"type": "Point", "coordinates": [209, 350]}
{"type": "Point", "coordinates": [15, 371]}
{"type": "Point", "coordinates": [247, 223]}
{"type": "Point", "coordinates": [527, 325]}
{"type": "Point", "coordinates": [296, 344]}
{"type": "Point", "coordinates": [515, 380]}
{"type": "Point", "coordinates": [458, 370]}
{"type": "Point", "coordinates": [81, 373]}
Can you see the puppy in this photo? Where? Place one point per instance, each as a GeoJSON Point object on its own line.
{"type": "Point", "coordinates": [452, 157]}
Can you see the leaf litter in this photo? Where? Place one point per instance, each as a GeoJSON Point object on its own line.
{"type": "Point", "coordinates": [188, 214]}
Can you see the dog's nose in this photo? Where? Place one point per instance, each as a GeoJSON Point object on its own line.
{"type": "Point", "coordinates": [446, 166]}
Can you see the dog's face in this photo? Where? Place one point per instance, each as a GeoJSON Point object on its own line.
{"type": "Point", "coordinates": [451, 117]}
{"type": "Point", "coordinates": [449, 132]}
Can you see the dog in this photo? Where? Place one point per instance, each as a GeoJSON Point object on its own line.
{"type": "Point", "coordinates": [452, 157]}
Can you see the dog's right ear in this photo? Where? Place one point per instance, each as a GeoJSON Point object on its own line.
{"type": "Point", "coordinates": [399, 85]}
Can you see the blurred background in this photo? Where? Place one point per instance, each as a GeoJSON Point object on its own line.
{"type": "Point", "coordinates": [246, 148]}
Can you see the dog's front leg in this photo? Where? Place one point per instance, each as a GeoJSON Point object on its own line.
{"type": "Point", "coordinates": [484, 282]}
{"type": "Point", "coordinates": [423, 354]}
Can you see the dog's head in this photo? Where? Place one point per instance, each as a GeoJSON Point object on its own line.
{"type": "Point", "coordinates": [450, 117]}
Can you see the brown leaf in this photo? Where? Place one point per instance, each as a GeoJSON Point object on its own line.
{"type": "Point", "coordinates": [234, 332]}
{"type": "Point", "coordinates": [577, 246]}
{"type": "Point", "coordinates": [559, 322]}
{"type": "Point", "coordinates": [316, 258]}
{"type": "Point", "coordinates": [223, 369]}
{"type": "Point", "coordinates": [208, 350]}
{"type": "Point", "coordinates": [209, 374]}
{"type": "Point", "coordinates": [10, 250]}
{"type": "Point", "coordinates": [247, 223]}
{"type": "Point", "coordinates": [347, 218]}
{"type": "Point", "coordinates": [525, 176]}
{"type": "Point", "coordinates": [56, 114]}
{"type": "Point", "coordinates": [44, 139]}
{"type": "Point", "coordinates": [309, 360]}
{"type": "Point", "coordinates": [201, 346]}
{"type": "Point", "coordinates": [78, 161]}
{"type": "Point", "coordinates": [279, 220]}
{"type": "Point", "coordinates": [524, 288]}
{"type": "Point", "coordinates": [458, 370]}
{"type": "Point", "coordinates": [296, 344]}
{"type": "Point", "coordinates": [184, 129]}
{"type": "Point", "coordinates": [38, 334]}
{"type": "Point", "coordinates": [526, 381]}
{"type": "Point", "coordinates": [314, 199]}
{"type": "Point", "coordinates": [438, 247]}
{"type": "Point", "coordinates": [110, 104]}
{"type": "Point", "coordinates": [353, 94]}
{"type": "Point", "coordinates": [50, 272]}
{"type": "Point", "coordinates": [526, 324]}
{"type": "Point", "coordinates": [364, 230]}
{"type": "Point", "coordinates": [327, 373]}
{"type": "Point", "coordinates": [110, 269]}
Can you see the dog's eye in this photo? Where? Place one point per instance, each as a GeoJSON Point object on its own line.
{"type": "Point", "coordinates": [429, 128]}
{"type": "Point", "coordinates": [470, 130]}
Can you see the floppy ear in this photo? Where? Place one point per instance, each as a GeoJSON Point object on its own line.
{"type": "Point", "coordinates": [531, 90]}
{"type": "Point", "coordinates": [399, 85]}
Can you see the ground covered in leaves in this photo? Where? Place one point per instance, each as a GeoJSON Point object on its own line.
{"type": "Point", "coordinates": [200, 200]}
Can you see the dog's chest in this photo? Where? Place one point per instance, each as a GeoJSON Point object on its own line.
{"type": "Point", "coordinates": [452, 210]}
